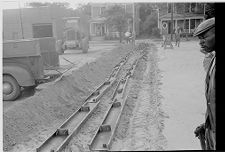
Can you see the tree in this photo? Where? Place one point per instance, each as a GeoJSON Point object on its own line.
{"type": "Point", "coordinates": [84, 9]}
{"type": "Point", "coordinates": [40, 4]}
{"type": "Point", "coordinates": [149, 23]}
{"type": "Point", "coordinates": [145, 10]}
{"type": "Point", "coordinates": [149, 18]}
{"type": "Point", "coordinates": [117, 18]}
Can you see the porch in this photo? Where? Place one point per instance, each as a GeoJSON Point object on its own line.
{"type": "Point", "coordinates": [187, 23]}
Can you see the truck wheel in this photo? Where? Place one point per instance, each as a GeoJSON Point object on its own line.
{"type": "Point", "coordinates": [11, 88]}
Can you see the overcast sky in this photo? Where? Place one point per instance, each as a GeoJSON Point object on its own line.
{"type": "Point", "coordinates": [10, 4]}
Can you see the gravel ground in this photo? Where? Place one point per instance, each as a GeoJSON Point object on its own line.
{"type": "Point", "coordinates": [165, 100]}
{"type": "Point", "coordinates": [81, 140]}
{"type": "Point", "coordinates": [182, 89]}
{"type": "Point", "coordinates": [141, 125]}
{"type": "Point", "coordinates": [28, 123]}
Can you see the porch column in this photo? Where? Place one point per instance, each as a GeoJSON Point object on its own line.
{"type": "Point", "coordinates": [175, 23]}
{"type": "Point", "coordinates": [54, 29]}
{"type": "Point", "coordinates": [105, 29]}
{"type": "Point", "coordinates": [90, 29]}
{"type": "Point", "coordinates": [189, 25]}
{"type": "Point", "coordinates": [195, 23]}
{"type": "Point", "coordinates": [160, 26]}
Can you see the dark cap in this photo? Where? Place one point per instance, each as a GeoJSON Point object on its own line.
{"type": "Point", "coordinates": [204, 26]}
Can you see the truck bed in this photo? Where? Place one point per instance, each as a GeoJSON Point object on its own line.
{"type": "Point", "coordinates": [21, 48]}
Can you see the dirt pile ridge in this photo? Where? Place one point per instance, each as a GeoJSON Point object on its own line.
{"type": "Point", "coordinates": [47, 109]}
{"type": "Point", "coordinates": [142, 121]}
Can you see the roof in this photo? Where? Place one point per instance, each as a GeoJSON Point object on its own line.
{"type": "Point", "coordinates": [70, 18]}
{"type": "Point", "coordinates": [101, 19]}
{"type": "Point", "coordinates": [178, 16]}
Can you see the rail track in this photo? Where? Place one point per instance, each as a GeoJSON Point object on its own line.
{"type": "Point", "coordinates": [116, 82]}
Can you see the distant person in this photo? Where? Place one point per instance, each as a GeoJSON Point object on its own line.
{"type": "Point", "coordinates": [128, 36]}
{"type": "Point", "coordinates": [177, 36]}
{"type": "Point", "coordinates": [207, 131]}
{"type": "Point", "coordinates": [164, 34]}
{"type": "Point", "coordinates": [164, 40]}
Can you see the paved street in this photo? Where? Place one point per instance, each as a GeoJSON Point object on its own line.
{"type": "Point", "coordinates": [183, 94]}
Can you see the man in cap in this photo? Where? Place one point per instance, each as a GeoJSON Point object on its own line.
{"type": "Point", "coordinates": [206, 33]}
{"type": "Point", "coordinates": [209, 13]}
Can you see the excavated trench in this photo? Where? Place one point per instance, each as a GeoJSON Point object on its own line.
{"type": "Point", "coordinates": [28, 123]}
{"type": "Point", "coordinates": [142, 121]}
{"type": "Point", "coordinates": [81, 140]}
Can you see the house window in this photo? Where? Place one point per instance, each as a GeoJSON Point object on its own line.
{"type": "Point", "coordinates": [179, 8]}
{"type": "Point", "coordinates": [187, 8]}
{"type": "Point", "coordinates": [186, 25]}
{"type": "Point", "coordinates": [169, 7]}
{"type": "Point", "coordinates": [180, 23]}
{"type": "Point", "coordinates": [192, 24]}
{"type": "Point", "coordinates": [96, 12]}
{"type": "Point", "coordinates": [199, 8]}
{"type": "Point", "coordinates": [193, 7]}
{"type": "Point", "coordinates": [42, 30]}
{"type": "Point", "coordinates": [103, 9]}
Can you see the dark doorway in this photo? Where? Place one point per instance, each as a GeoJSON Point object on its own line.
{"type": "Point", "coordinates": [42, 30]}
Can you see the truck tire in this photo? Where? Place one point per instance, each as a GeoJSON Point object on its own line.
{"type": "Point", "coordinates": [11, 88]}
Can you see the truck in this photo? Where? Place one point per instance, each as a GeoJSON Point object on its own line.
{"type": "Point", "coordinates": [24, 62]}
{"type": "Point", "coordinates": [74, 35]}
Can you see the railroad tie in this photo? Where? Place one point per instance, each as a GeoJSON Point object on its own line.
{"type": "Point", "coordinates": [116, 104]}
{"type": "Point", "coordinates": [105, 128]}
{"type": "Point", "coordinates": [107, 83]}
{"type": "Point", "coordinates": [62, 132]}
{"type": "Point", "coordinates": [97, 92]}
{"type": "Point", "coordinates": [85, 108]}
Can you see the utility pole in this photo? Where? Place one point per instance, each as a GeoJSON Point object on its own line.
{"type": "Point", "coordinates": [21, 22]}
{"type": "Point", "coordinates": [204, 9]}
{"type": "Point", "coordinates": [134, 23]}
{"type": "Point", "coordinates": [158, 17]}
{"type": "Point", "coordinates": [171, 22]}
{"type": "Point", "coordinates": [157, 9]}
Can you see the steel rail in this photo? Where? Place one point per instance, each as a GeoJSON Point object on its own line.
{"type": "Point", "coordinates": [102, 135]}
{"type": "Point", "coordinates": [60, 138]}
{"type": "Point", "coordinates": [62, 135]}
{"type": "Point", "coordinates": [102, 139]}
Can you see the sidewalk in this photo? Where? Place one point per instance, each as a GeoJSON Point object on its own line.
{"type": "Point", "coordinates": [183, 94]}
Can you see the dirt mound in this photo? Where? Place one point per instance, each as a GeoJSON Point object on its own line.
{"type": "Point", "coordinates": [142, 121]}
{"type": "Point", "coordinates": [52, 105]}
